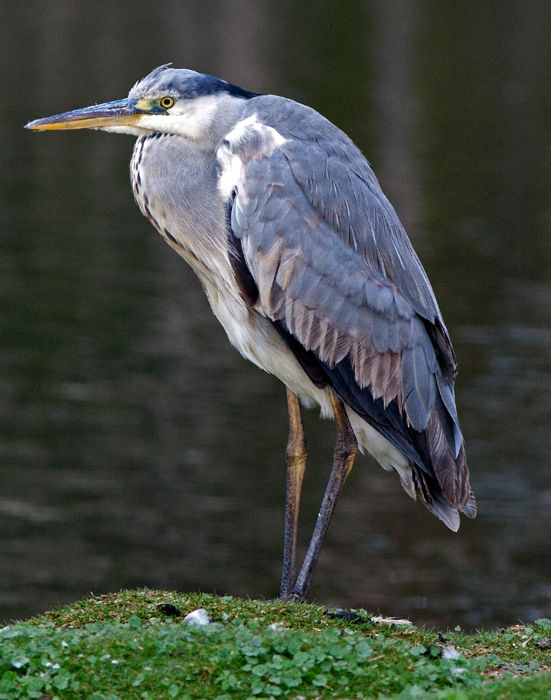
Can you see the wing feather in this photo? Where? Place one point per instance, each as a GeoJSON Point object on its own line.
{"type": "Point", "coordinates": [339, 279]}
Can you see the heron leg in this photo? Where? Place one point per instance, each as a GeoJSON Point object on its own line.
{"type": "Point", "coordinates": [346, 448]}
{"type": "Point", "coordinates": [296, 466]}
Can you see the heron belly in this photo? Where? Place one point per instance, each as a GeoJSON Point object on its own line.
{"type": "Point", "coordinates": [256, 339]}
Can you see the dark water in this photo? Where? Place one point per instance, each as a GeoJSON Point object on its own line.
{"type": "Point", "coordinates": [137, 448]}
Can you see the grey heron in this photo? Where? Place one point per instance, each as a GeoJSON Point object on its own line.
{"type": "Point", "coordinates": [310, 272]}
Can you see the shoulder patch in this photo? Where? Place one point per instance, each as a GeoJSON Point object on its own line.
{"type": "Point", "coordinates": [248, 139]}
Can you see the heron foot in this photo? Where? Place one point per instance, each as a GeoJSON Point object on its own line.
{"type": "Point", "coordinates": [292, 596]}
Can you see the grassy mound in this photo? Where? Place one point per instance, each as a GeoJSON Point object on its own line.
{"type": "Point", "coordinates": [135, 644]}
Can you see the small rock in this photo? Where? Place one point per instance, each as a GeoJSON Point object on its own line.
{"type": "Point", "coordinates": [450, 653]}
{"type": "Point", "coordinates": [277, 627]}
{"type": "Point", "coordinates": [378, 620]}
{"type": "Point", "coordinates": [169, 609]}
{"type": "Point", "coordinates": [348, 615]}
{"type": "Point", "coordinates": [198, 617]}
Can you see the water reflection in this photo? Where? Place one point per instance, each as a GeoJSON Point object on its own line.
{"type": "Point", "coordinates": [136, 447]}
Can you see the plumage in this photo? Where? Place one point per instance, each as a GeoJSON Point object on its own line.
{"type": "Point", "coordinates": [344, 276]}
{"type": "Point", "coordinates": [309, 270]}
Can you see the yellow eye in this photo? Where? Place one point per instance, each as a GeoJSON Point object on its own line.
{"type": "Point", "coordinates": [166, 102]}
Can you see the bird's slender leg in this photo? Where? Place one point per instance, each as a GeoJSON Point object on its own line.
{"type": "Point", "coordinates": [296, 466]}
{"type": "Point", "coordinates": [346, 448]}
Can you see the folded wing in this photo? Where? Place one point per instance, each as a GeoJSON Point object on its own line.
{"type": "Point", "coordinates": [317, 249]}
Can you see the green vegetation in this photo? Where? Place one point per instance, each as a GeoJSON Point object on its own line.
{"type": "Point", "coordinates": [134, 644]}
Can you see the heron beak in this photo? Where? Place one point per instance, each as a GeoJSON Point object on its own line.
{"type": "Point", "coordinates": [117, 113]}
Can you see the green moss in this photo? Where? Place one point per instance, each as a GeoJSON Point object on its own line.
{"type": "Point", "coordinates": [134, 644]}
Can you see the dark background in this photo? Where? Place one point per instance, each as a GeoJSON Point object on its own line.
{"type": "Point", "coordinates": [136, 447]}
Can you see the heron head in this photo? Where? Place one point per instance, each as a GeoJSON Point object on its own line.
{"type": "Point", "coordinates": [167, 101]}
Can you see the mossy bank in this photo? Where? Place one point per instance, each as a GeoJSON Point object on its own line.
{"type": "Point", "coordinates": [135, 644]}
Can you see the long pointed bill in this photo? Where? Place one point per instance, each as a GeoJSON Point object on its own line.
{"type": "Point", "coordinates": [117, 113]}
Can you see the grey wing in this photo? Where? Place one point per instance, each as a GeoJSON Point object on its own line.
{"type": "Point", "coordinates": [314, 250]}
